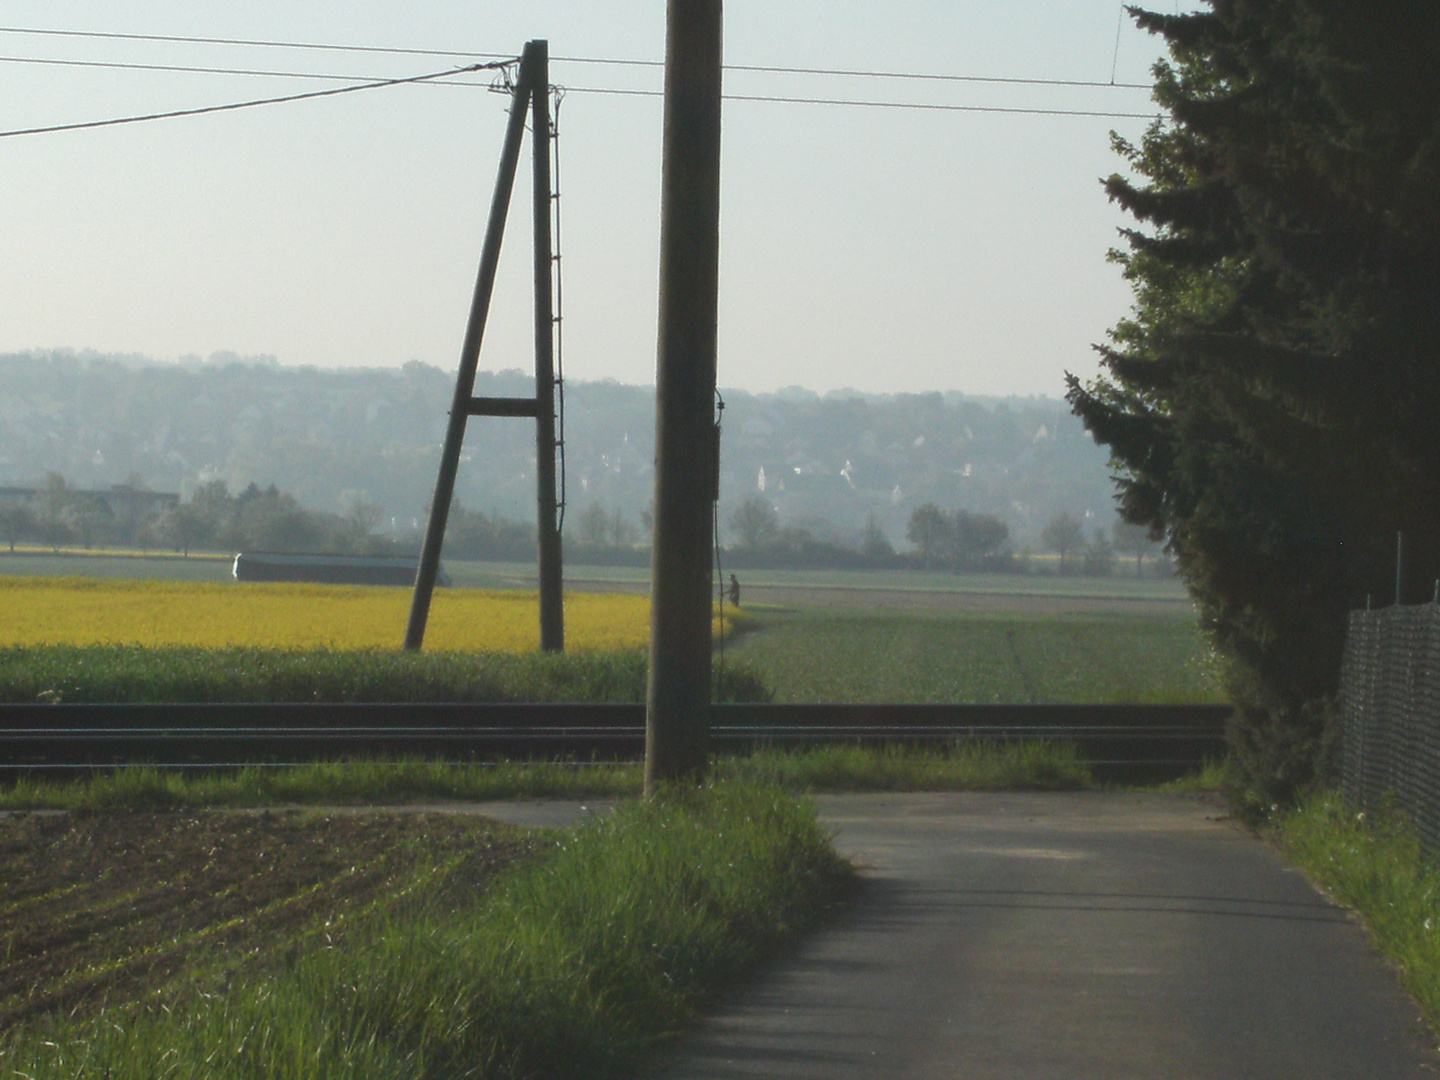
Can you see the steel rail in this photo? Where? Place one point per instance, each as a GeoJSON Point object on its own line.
{"type": "Point", "coordinates": [408, 714]}
{"type": "Point", "coordinates": [78, 736]}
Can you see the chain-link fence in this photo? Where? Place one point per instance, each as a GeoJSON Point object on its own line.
{"type": "Point", "coordinates": [1390, 713]}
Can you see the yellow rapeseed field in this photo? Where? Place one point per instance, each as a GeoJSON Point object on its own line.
{"type": "Point", "coordinates": [83, 611]}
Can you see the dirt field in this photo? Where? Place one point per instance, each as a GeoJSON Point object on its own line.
{"type": "Point", "coordinates": [114, 906]}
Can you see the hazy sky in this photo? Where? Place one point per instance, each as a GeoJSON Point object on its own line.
{"type": "Point", "coordinates": [881, 249]}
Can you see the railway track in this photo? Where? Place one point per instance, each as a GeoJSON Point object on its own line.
{"type": "Point", "coordinates": [1113, 738]}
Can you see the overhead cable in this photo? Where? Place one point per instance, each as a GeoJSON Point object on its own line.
{"type": "Point", "coordinates": [870, 104]}
{"type": "Point", "coordinates": [188, 69]}
{"type": "Point", "coordinates": [437, 78]}
{"type": "Point", "coordinates": [1008, 80]}
{"type": "Point", "coordinates": [470, 54]}
{"type": "Point", "coordinates": [246, 104]}
{"type": "Point", "coordinates": [313, 46]}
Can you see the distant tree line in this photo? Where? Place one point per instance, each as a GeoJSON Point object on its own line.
{"type": "Point", "coordinates": [267, 519]}
{"type": "Point", "coordinates": [317, 434]}
{"type": "Point", "coordinates": [959, 540]}
{"type": "Point", "coordinates": [473, 534]}
{"type": "Point", "coordinates": [1099, 554]}
{"type": "Point", "coordinates": [57, 515]}
{"type": "Point", "coordinates": [955, 541]}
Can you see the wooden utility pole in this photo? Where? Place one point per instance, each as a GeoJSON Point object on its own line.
{"type": "Point", "coordinates": [677, 706]}
{"type": "Point", "coordinates": [547, 525]}
{"type": "Point", "coordinates": [532, 87]}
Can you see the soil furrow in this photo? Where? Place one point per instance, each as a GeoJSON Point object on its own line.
{"type": "Point", "coordinates": [140, 901]}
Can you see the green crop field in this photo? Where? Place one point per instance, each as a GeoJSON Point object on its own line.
{"type": "Point", "coordinates": [823, 656]}
{"type": "Point", "coordinates": [1124, 586]}
{"type": "Point", "coordinates": [863, 585]}
{"type": "Point", "coordinates": [901, 636]}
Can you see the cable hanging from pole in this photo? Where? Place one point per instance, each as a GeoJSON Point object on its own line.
{"type": "Point", "coordinates": [234, 105]}
{"type": "Point", "coordinates": [719, 565]}
{"type": "Point", "coordinates": [504, 79]}
{"type": "Point", "coordinates": [557, 95]}
{"type": "Point", "coordinates": [470, 54]}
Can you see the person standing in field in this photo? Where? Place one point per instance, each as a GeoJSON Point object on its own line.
{"type": "Point", "coordinates": [734, 590]}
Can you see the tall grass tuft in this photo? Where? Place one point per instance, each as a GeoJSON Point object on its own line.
{"type": "Point", "coordinates": [961, 766]}
{"type": "Point", "coordinates": [573, 968]}
{"type": "Point", "coordinates": [1375, 865]}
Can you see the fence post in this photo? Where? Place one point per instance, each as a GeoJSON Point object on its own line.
{"type": "Point", "coordinates": [1399, 566]}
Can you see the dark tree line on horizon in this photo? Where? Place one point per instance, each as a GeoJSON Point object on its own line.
{"type": "Point", "coordinates": [213, 519]}
{"type": "Point", "coordinates": [60, 515]}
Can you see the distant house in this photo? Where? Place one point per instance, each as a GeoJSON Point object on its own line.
{"type": "Point", "coordinates": [330, 569]}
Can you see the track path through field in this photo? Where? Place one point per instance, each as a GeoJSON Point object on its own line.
{"type": "Point", "coordinates": [1094, 936]}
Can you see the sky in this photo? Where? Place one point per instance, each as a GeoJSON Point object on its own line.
{"type": "Point", "coordinates": [880, 249]}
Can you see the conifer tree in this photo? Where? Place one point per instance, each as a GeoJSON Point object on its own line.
{"type": "Point", "coordinates": [1272, 400]}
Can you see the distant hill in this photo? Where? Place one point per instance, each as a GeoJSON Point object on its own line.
{"type": "Point", "coordinates": [332, 436]}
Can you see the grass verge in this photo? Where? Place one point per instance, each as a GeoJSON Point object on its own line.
{"type": "Point", "coordinates": [334, 783]}
{"type": "Point", "coordinates": [574, 967]}
{"type": "Point", "coordinates": [1216, 776]}
{"type": "Point", "coordinates": [133, 673]}
{"type": "Point", "coordinates": [962, 766]}
{"type": "Point", "coordinates": [1374, 865]}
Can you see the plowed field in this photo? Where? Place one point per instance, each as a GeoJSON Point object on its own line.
{"type": "Point", "coordinates": [117, 905]}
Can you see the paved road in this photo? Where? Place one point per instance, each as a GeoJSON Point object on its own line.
{"type": "Point", "coordinates": [1066, 937]}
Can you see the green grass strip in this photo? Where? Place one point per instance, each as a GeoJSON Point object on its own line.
{"type": "Point", "coordinates": [1374, 864]}
{"type": "Point", "coordinates": [962, 766]}
{"type": "Point", "coordinates": [336, 783]}
{"type": "Point", "coordinates": [574, 967]}
{"type": "Point", "coordinates": [132, 673]}
{"type": "Point", "coordinates": [1216, 776]}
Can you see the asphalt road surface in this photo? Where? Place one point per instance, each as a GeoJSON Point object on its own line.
{"type": "Point", "coordinates": [1094, 936]}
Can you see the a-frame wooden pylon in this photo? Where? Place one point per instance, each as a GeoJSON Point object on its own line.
{"type": "Point", "coordinates": [532, 89]}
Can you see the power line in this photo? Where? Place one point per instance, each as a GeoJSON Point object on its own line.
{"type": "Point", "coordinates": [870, 104]}
{"type": "Point", "coordinates": [934, 78]}
{"type": "Point", "coordinates": [242, 104]}
{"type": "Point", "coordinates": [860, 73]}
{"type": "Point", "coordinates": [316, 47]}
{"type": "Point", "coordinates": [189, 69]}
{"type": "Point", "coordinates": [757, 68]}
{"type": "Point", "coordinates": [767, 98]}
{"type": "Point", "coordinates": [1119, 22]}
{"type": "Point", "coordinates": [367, 82]}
